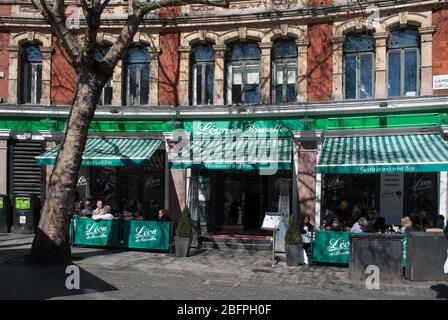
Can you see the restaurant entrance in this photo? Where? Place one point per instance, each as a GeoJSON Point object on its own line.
{"type": "Point", "coordinates": [238, 199]}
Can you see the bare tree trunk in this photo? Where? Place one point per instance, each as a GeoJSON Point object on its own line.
{"type": "Point", "coordinates": [51, 243]}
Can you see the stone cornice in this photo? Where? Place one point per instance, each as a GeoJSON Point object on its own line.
{"type": "Point", "coordinates": [437, 104]}
{"type": "Point", "coordinates": [290, 16]}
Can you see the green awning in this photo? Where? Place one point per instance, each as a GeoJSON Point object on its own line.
{"type": "Point", "coordinates": [110, 152]}
{"type": "Point", "coordinates": [384, 154]}
{"type": "Point", "coordinates": [240, 154]}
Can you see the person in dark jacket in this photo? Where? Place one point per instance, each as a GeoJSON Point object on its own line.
{"type": "Point", "coordinates": [163, 216]}
{"type": "Point", "coordinates": [446, 231]}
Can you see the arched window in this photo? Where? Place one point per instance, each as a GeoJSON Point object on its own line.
{"type": "Point", "coordinates": [284, 71]}
{"type": "Point", "coordinates": [243, 73]}
{"type": "Point", "coordinates": [31, 74]}
{"type": "Point", "coordinates": [203, 74]}
{"type": "Point", "coordinates": [106, 94]}
{"type": "Point", "coordinates": [136, 76]}
{"type": "Point", "coordinates": [359, 65]}
{"type": "Point", "coordinates": [403, 56]}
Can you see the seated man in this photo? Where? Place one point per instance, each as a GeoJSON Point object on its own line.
{"type": "Point", "coordinates": [87, 210]}
{"type": "Point", "coordinates": [105, 215]}
{"type": "Point", "coordinates": [360, 225]}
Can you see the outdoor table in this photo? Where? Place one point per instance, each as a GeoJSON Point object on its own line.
{"type": "Point", "coordinates": [99, 233]}
{"type": "Point", "coordinates": [150, 235]}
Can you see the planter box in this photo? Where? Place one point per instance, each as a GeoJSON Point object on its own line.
{"type": "Point", "coordinates": [292, 255]}
{"type": "Point", "coordinates": [183, 246]}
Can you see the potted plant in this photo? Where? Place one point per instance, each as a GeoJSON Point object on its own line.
{"type": "Point", "coordinates": [183, 236]}
{"type": "Point", "coordinates": [293, 242]}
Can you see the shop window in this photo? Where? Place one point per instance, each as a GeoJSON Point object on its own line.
{"type": "Point", "coordinates": [403, 63]}
{"type": "Point", "coordinates": [421, 199]}
{"type": "Point", "coordinates": [203, 74]}
{"type": "Point", "coordinates": [359, 52]}
{"type": "Point", "coordinates": [284, 71]}
{"type": "Point", "coordinates": [106, 94]}
{"type": "Point", "coordinates": [243, 73]}
{"type": "Point", "coordinates": [31, 74]}
{"type": "Point", "coordinates": [136, 76]}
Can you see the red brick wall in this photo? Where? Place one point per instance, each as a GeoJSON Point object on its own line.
{"type": "Point", "coordinates": [320, 62]}
{"type": "Point", "coordinates": [4, 65]}
{"type": "Point", "coordinates": [440, 45]}
{"type": "Point", "coordinates": [319, 3]}
{"type": "Point", "coordinates": [169, 68]}
{"type": "Point", "coordinates": [5, 9]}
{"type": "Point", "coordinates": [171, 11]}
{"type": "Point", "coordinates": [63, 77]}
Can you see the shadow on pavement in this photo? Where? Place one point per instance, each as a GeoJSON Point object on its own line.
{"type": "Point", "coordinates": [98, 252]}
{"type": "Point", "coordinates": [195, 252]}
{"type": "Point", "coordinates": [19, 279]}
{"type": "Point", "coordinates": [442, 291]}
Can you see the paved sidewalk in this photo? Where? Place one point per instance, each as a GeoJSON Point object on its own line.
{"type": "Point", "coordinates": [207, 274]}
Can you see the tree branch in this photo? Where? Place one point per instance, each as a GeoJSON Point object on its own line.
{"type": "Point", "coordinates": [55, 17]}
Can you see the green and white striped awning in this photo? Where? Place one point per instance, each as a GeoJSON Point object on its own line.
{"type": "Point", "coordinates": [110, 152]}
{"type": "Point", "coordinates": [242, 154]}
{"type": "Point", "coordinates": [388, 154]}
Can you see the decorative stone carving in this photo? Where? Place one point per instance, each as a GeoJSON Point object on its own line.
{"type": "Point", "coordinates": [28, 9]}
{"type": "Point", "coordinates": [403, 18]}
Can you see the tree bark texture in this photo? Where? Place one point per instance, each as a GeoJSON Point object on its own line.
{"type": "Point", "coordinates": [51, 243]}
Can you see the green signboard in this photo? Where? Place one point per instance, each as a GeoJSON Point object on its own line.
{"type": "Point", "coordinates": [101, 233]}
{"type": "Point", "coordinates": [154, 235]}
{"type": "Point", "coordinates": [331, 247]}
{"type": "Point", "coordinates": [1, 203]}
{"type": "Point", "coordinates": [23, 203]}
{"type": "Point", "coordinates": [244, 128]}
{"type": "Point", "coordinates": [334, 247]}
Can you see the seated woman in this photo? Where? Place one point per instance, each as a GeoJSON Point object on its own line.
{"type": "Point", "coordinates": [335, 225]}
{"type": "Point", "coordinates": [105, 215]}
{"type": "Point", "coordinates": [306, 225]}
{"type": "Point", "coordinates": [406, 225]}
{"type": "Point", "coordinates": [306, 228]}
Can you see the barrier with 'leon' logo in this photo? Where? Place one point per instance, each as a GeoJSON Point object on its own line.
{"type": "Point", "coordinates": [102, 233]}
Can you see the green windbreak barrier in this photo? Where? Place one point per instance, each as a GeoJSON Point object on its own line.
{"type": "Point", "coordinates": [229, 153]}
{"type": "Point", "coordinates": [384, 154]}
{"type": "Point", "coordinates": [110, 152]}
{"type": "Point", "coordinates": [334, 247]}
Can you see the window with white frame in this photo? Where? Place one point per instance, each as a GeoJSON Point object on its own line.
{"type": "Point", "coordinates": [31, 74]}
{"type": "Point", "coordinates": [403, 55]}
{"type": "Point", "coordinates": [203, 74]}
{"type": "Point", "coordinates": [243, 73]}
{"type": "Point", "coordinates": [106, 94]}
{"type": "Point", "coordinates": [136, 76]}
{"type": "Point", "coordinates": [359, 66]}
{"type": "Point", "coordinates": [284, 71]}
